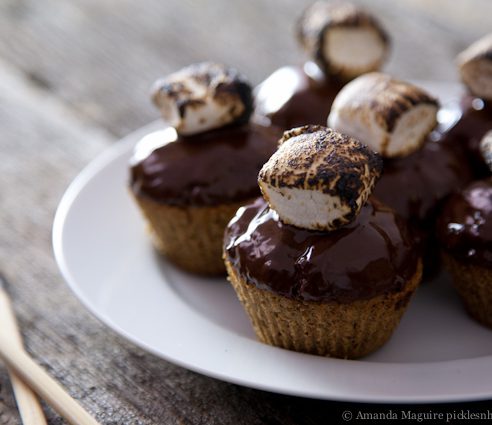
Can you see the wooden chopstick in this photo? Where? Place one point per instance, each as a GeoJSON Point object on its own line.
{"type": "Point", "coordinates": [50, 390]}
{"type": "Point", "coordinates": [16, 359]}
{"type": "Point", "coordinates": [30, 410]}
{"type": "Point", "coordinates": [28, 404]}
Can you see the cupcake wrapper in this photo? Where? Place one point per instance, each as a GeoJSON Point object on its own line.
{"type": "Point", "coordinates": [332, 329]}
{"type": "Point", "coordinates": [191, 237]}
{"type": "Point", "coordinates": [474, 285]}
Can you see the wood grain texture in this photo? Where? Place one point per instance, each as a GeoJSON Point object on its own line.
{"type": "Point", "coordinates": [74, 76]}
{"type": "Point", "coordinates": [27, 402]}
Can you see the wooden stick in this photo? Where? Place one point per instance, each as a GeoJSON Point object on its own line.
{"type": "Point", "coordinates": [50, 390]}
{"type": "Point", "coordinates": [28, 404]}
{"type": "Point", "coordinates": [16, 358]}
{"type": "Point", "coordinates": [30, 410]}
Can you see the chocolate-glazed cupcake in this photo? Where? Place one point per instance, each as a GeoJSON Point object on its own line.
{"type": "Point", "coordinates": [416, 187]}
{"type": "Point", "coordinates": [396, 118]}
{"type": "Point", "coordinates": [319, 268]}
{"type": "Point", "coordinates": [343, 42]}
{"type": "Point", "coordinates": [475, 107]}
{"type": "Point", "coordinates": [190, 177]}
{"type": "Point", "coordinates": [465, 233]}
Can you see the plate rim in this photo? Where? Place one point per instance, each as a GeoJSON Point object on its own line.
{"type": "Point", "coordinates": [122, 147]}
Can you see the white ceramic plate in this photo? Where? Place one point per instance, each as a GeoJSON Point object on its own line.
{"type": "Point", "coordinates": [437, 354]}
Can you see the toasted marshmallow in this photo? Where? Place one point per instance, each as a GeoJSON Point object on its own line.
{"type": "Point", "coordinates": [475, 65]}
{"type": "Point", "coordinates": [486, 148]}
{"type": "Point", "coordinates": [319, 179]}
{"type": "Point", "coordinates": [390, 116]}
{"type": "Point", "coordinates": [202, 97]}
{"type": "Point", "coordinates": [344, 40]}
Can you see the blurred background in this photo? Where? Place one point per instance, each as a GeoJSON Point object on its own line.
{"type": "Point", "coordinates": [101, 56]}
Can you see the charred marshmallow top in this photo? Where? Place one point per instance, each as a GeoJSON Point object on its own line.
{"type": "Point", "coordinates": [319, 179]}
{"type": "Point", "coordinates": [486, 148]}
{"type": "Point", "coordinates": [202, 97]}
{"type": "Point", "coordinates": [344, 40]}
{"type": "Point", "coordinates": [475, 65]}
{"type": "Point", "coordinates": [390, 116]}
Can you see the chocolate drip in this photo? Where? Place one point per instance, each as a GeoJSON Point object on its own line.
{"type": "Point", "coordinates": [291, 98]}
{"type": "Point", "coordinates": [219, 166]}
{"type": "Point", "coordinates": [465, 225]}
{"type": "Point", "coordinates": [371, 256]}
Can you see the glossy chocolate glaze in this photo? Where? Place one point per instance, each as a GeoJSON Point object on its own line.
{"type": "Point", "coordinates": [475, 120]}
{"type": "Point", "coordinates": [465, 225]}
{"type": "Point", "coordinates": [296, 96]}
{"type": "Point", "coordinates": [371, 256]}
{"type": "Point", "coordinates": [219, 166]}
{"type": "Point", "coordinates": [416, 186]}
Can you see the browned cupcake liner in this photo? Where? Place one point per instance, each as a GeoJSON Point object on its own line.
{"type": "Point", "coordinates": [350, 330]}
{"type": "Point", "coordinates": [474, 285]}
{"type": "Point", "coordinates": [191, 237]}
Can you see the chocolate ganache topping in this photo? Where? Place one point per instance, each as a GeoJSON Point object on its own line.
{"type": "Point", "coordinates": [416, 185]}
{"type": "Point", "coordinates": [371, 256]}
{"type": "Point", "coordinates": [465, 225]}
{"type": "Point", "coordinates": [296, 96]}
{"type": "Point", "coordinates": [475, 68]}
{"type": "Point", "coordinates": [218, 166]}
{"type": "Point", "coordinates": [475, 120]}
{"type": "Point", "coordinates": [210, 153]}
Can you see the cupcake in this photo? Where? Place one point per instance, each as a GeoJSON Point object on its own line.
{"type": "Point", "coordinates": [343, 42]}
{"type": "Point", "coordinates": [190, 177]}
{"type": "Point", "coordinates": [396, 119]}
{"type": "Point", "coordinates": [475, 107]}
{"type": "Point", "coordinates": [319, 266]}
{"type": "Point", "coordinates": [465, 232]}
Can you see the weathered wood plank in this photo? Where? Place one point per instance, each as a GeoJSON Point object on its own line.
{"type": "Point", "coordinates": [101, 56]}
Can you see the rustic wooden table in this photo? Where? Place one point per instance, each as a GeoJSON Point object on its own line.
{"type": "Point", "coordinates": [74, 78]}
